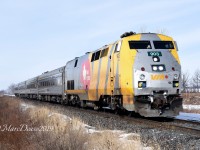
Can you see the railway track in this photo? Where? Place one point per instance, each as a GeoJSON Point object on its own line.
{"type": "Point", "coordinates": [171, 124]}
{"type": "Point", "coordinates": [160, 123]}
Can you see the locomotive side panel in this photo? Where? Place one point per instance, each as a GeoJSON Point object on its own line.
{"type": "Point", "coordinates": [95, 62]}
{"type": "Point", "coordinates": [127, 60]}
{"type": "Point", "coordinates": [77, 77]}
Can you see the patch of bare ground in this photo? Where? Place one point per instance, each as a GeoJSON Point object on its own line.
{"type": "Point", "coordinates": [192, 111]}
{"type": "Point", "coordinates": [30, 127]}
{"type": "Point", "coordinates": [191, 98]}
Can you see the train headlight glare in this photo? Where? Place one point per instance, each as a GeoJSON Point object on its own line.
{"type": "Point", "coordinates": [155, 68]}
{"type": "Point", "coordinates": [161, 68]}
{"type": "Point", "coordinates": [175, 77]}
{"type": "Point", "coordinates": [177, 84]}
{"type": "Point", "coordinates": [155, 59]}
{"type": "Point", "coordinates": [140, 84]}
{"type": "Point", "coordinates": [142, 76]}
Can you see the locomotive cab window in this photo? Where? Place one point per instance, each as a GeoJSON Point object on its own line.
{"type": "Point", "coordinates": [118, 46]}
{"type": "Point", "coordinates": [139, 44]}
{"type": "Point", "coordinates": [163, 44]}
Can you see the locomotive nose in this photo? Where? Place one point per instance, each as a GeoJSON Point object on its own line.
{"type": "Point", "coordinates": [145, 83]}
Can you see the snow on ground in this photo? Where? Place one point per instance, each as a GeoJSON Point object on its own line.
{"type": "Point", "coordinates": [25, 106]}
{"type": "Point", "coordinates": [121, 135]}
{"type": "Point", "coordinates": [131, 138]}
{"type": "Point", "coordinates": [9, 95]}
{"type": "Point", "coordinates": [188, 116]}
{"type": "Point", "coordinates": [90, 129]}
{"type": "Point", "coordinates": [64, 117]}
{"type": "Point", "coordinates": [190, 107]}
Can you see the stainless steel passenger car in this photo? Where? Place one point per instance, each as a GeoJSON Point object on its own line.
{"type": "Point", "coordinates": [51, 85]}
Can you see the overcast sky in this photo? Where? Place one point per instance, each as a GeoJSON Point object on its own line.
{"type": "Point", "coordinates": [41, 35]}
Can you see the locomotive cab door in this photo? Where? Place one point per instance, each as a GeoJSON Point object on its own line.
{"type": "Point", "coordinates": [112, 61]}
{"type": "Point", "coordinates": [114, 72]}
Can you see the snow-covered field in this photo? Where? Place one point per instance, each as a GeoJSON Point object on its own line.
{"type": "Point", "coordinates": [123, 139]}
{"type": "Point", "coordinates": [188, 116]}
{"type": "Point", "coordinates": [191, 107]}
{"type": "Point", "coordinates": [183, 116]}
{"type": "Point", "coordinates": [9, 95]}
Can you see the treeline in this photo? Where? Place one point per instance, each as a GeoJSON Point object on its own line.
{"type": "Point", "coordinates": [191, 81]}
{"type": "Point", "coordinates": [9, 90]}
{"type": "Point", "coordinates": [2, 92]}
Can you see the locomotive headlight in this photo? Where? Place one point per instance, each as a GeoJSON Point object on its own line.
{"type": "Point", "coordinates": [161, 68]}
{"type": "Point", "coordinates": [175, 77]}
{"type": "Point", "coordinates": [156, 59]}
{"type": "Point", "coordinates": [142, 84]}
{"type": "Point", "coordinates": [155, 68]}
{"type": "Point", "coordinates": [175, 84]}
{"type": "Point", "coordinates": [158, 68]}
{"type": "Point", "coordinates": [142, 76]}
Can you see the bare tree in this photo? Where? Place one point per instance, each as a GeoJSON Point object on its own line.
{"type": "Point", "coordinates": [2, 92]}
{"type": "Point", "coordinates": [162, 31]}
{"type": "Point", "coordinates": [143, 29]}
{"type": "Point", "coordinates": [196, 79]}
{"type": "Point", "coordinates": [185, 80]}
{"type": "Point", "coordinates": [11, 89]}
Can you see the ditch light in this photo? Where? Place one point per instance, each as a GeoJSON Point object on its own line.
{"type": "Point", "coordinates": [142, 84]}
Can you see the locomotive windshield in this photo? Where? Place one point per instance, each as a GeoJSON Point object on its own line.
{"type": "Point", "coordinates": [139, 44]}
{"type": "Point", "coordinates": [163, 44]}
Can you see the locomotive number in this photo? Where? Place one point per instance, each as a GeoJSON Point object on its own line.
{"type": "Point", "coordinates": [154, 53]}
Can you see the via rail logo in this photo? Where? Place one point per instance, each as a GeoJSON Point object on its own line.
{"type": "Point", "coordinates": [85, 74]}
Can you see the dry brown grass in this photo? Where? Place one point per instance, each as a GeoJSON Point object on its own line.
{"type": "Point", "coordinates": [109, 140]}
{"type": "Point", "coordinates": [10, 115]}
{"type": "Point", "coordinates": [191, 98]}
{"type": "Point", "coordinates": [64, 133]}
{"type": "Point", "coordinates": [191, 111]}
